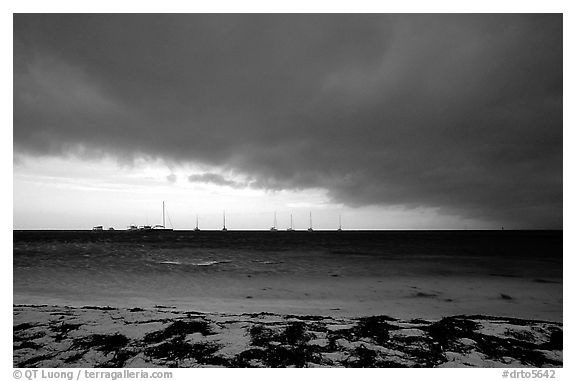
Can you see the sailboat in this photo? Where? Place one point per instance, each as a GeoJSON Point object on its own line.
{"type": "Point", "coordinates": [339, 223]}
{"type": "Point", "coordinates": [163, 226]}
{"type": "Point", "coordinates": [196, 229]}
{"type": "Point", "coordinates": [273, 228]}
{"type": "Point", "coordinates": [291, 228]}
{"type": "Point", "coordinates": [224, 223]}
{"type": "Point", "coordinates": [310, 228]}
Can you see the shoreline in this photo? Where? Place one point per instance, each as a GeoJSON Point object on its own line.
{"type": "Point", "coordinates": [330, 293]}
{"type": "Point", "coordinates": [164, 336]}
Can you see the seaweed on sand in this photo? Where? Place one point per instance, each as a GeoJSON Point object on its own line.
{"type": "Point", "coordinates": [121, 355]}
{"type": "Point", "coordinates": [279, 356]}
{"type": "Point", "coordinates": [75, 357]}
{"type": "Point", "coordinates": [260, 335]}
{"type": "Point", "coordinates": [448, 331]}
{"type": "Point", "coordinates": [421, 350]}
{"type": "Point", "coordinates": [556, 340]}
{"type": "Point", "coordinates": [33, 360]}
{"type": "Point", "coordinates": [105, 343]}
{"type": "Point", "coordinates": [23, 332]}
{"type": "Point", "coordinates": [258, 314]}
{"type": "Point", "coordinates": [119, 359]}
{"type": "Point", "coordinates": [287, 347]}
{"type": "Point", "coordinates": [23, 326]}
{"type": "Point", "coordinates": [179, 349]}
{"type": "Point", "coordinates": [63, 329]}
{"type": "Point", "coordinates": [179, 328]}
{"type": "Point", "coordinates": [291, 355]}
{"type": "Point", "coordinates": [100, 308]}
{"type": "Point", "coordinates": [363, 358]}
{"type": "Point", "coordinates": [307, 317]}
{"type": "Point", "coordinates": [27, 345]}
{"type": "Point", "coordinates": [245, 358]}
{"type": "Point", "coordinates": [528, 353]}
{"type": "Point", "coordinates": [375, 327]}
{"type": "Point", "coordinates": [295, 333]}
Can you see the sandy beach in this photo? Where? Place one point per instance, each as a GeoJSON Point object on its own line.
{"type": "Point", "coordinates": [92, 336]}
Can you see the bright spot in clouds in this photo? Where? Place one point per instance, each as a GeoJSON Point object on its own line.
{"type": "Point", "coordinates": [71, 193]}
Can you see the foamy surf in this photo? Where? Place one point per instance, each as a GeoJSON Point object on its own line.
{"type": "Point", "coordinates": [268, 262]}
{"type": "Point", "coordinates": [202, 263]}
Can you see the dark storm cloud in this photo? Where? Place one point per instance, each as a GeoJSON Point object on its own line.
{"type": "Point", "coordinates": [215, 178]}
{"type": "Point", "coordinates": [457, 112]}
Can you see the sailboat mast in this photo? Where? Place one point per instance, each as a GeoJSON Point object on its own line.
{"type": "Point", "coordinates": [291, 221]}
{"type": "Point", "coordinates": [274, 219]}
{"type": "Point", "coordinates": [310, 220]}
{"type": "Point", "coordinates": [196, 221]}
{"type": "Point", "coordinates": [224, 218]}
{"type": "Point", "coordinates": [163, 218]}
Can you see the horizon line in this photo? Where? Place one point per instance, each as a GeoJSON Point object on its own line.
{"type": "Point", "coordinates": [301, 230]}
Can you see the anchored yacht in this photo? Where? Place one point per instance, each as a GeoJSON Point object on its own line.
{"type": "Point", "coordinates": [310, 228]}
{"type": "Point", "coordinates": [273, 228]}
{"type": "Point", "coordinates": [224, 222]}
{"type": "Point", "coordinates": [291, 228]}
{"type": "Point", "coordinates": [163, 226]}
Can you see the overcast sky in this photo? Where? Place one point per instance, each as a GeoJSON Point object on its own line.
{"type": "Point", "coordinates": [396, 121]}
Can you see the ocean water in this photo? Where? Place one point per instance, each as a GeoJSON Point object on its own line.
{"type": "Point", "coordinates": [424, 274]}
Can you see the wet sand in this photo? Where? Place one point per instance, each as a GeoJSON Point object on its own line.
{"type": "Point", "coordinates": [332, 294]}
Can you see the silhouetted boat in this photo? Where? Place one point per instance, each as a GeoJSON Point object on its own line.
{"type": "Point", "coordinates": [339, 223]}
{"type": "Point", "coordinates": [148, 228]}
{"type": "Point", "coordinates": [163, 226]}
{"type": "Point", "coordinates": [224, 222]}
{"type": "Point", "coordinates": [310, 228]}
{"type": "Point", "coordinates": [291, 228]}
{"type": "Point", "coordinates": [98, 228]}
{"type": "Point", "coordinates": [196, 229]}
{"type": "Point", "coordinates": [273, 228]}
